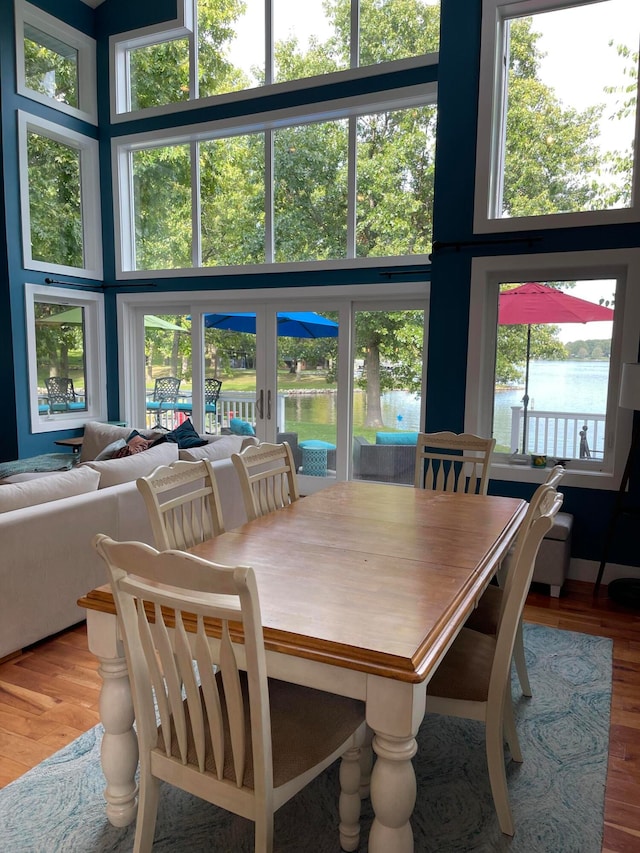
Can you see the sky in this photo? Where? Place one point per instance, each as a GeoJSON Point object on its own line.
{"type": "Point", "coordinates": [592, 291]}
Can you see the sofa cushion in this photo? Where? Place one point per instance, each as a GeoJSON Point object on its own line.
{"type": "Point", "coordinates": [98, 435]}
{"type": "Point", "coordinates": [115, 471]}
{"type": "Point", "coordinates": [220, 448]}
{"type": "Point", "coordinates": [396, 438]}
{"type": "Point", "coordinates": [108, 451]}
{"type": "Point", "coordinates": [53, 487]}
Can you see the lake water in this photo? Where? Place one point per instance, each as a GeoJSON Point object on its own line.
{"type": "Point", "coordinates": [556, 386]}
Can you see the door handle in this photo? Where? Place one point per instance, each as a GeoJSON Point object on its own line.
{"type": "Point", "coordinates": [269, 404]}
{"type": "Point", "coordinates": [260, 404]}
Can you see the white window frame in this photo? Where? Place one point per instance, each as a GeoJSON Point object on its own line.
{"type": "Point", "coordinates": [87, 110]}
{"type": "Point", "coordinates": [396, 99]}
{"type": "Point", "coordinates": [94, 355]}
{"type": "Point", "coordinates": [623, 265]}
{"type": "Point", "coordinates": [183, 26]}
{"type": "Point", "coordinates": [491, 118]}
{"type": "Point", "coordinates": [89, 195]}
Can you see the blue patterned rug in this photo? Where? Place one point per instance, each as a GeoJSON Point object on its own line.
{"type": "Point", "coordinates": [557, 794]}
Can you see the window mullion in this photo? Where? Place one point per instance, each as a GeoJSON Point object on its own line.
{"type": "Point", "coordinates": [196, 206]}
{"type": "Point", "coordinates": [352, 185]}
{"type": "Point", "coordinates": [269, 193]}
{"type": "Point", "coordinates": [354, 47]}
{"type": "Point", "coordinates": [194, 77]}
{"type": "Point", "coordinates": [268, 37]}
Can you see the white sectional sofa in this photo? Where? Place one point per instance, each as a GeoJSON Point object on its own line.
{"type": "Point", "coordinates": [47, 560]}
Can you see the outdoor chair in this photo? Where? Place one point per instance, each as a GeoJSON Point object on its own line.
{"type": "Point", "coordinates": [473, 681]}
{"type": "Point", "coordinates": [446, 461]}
{"type": "Point", "coordinates": [229, 734]}
{"type": "Point", "coordinates": [62, 396]}
{"type": "Point", "coordinates": [183, 503]}
{"type": "Point", "coordinates": [486, 616]}
{"type": "Point", "coordinates": [267, 475]}
{"type": "Point", "coordinates": [163, 398]}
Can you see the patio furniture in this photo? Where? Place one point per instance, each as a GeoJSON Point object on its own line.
{"type": "Point", "coordinates": [314, 457]}
{"type": "Point", "coordinates": [61, 395]}
{"type": "Point", "coordinates": [163, 398]}
{"type": "Point", "coordinates": [385, 463]}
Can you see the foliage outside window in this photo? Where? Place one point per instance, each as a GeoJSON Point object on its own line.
{"type": "Point", "coordinates": [307, 204]}
{"type": "Point", "coordinates": [60, 198]}
{"type": "Point", "coordinates": [309, 39]}
{"type": "Point", "coordinates": [55, 63]}
{"type": "Point", "coordinates": [65, 336]}
{"type": "Point", "coordinates": [562, 126]}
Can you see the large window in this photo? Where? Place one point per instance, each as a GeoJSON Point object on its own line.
{"type": "Point", "coordinates": [213, 48]}
{"type": "Point", "coordinates": [557, 131]}
{"type": "Point", "coordinates": [56, 64]}
{"type": "Point", "coordinates": [60, 199]}
{"type": "Point", "coordinates": [65, 335]}
{"type": "Point", "coordinates": [542, 383]}
{"type": "Point", "coordinates": [353, 187]}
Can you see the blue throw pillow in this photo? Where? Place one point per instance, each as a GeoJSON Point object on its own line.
{"type": "Point", "coordinates": [396, 438]}
{"type": "Point", "coordinates": [240, 427]}
{"type": "Point", "coordinates": [184, 436]}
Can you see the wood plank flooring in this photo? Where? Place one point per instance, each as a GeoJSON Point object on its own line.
{"type": "Point", "coordinates": [49, 696]}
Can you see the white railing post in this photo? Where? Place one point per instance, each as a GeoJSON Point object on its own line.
{"type": "Point", "coordinates": [516, 414]}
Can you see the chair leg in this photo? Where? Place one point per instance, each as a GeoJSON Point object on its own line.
{"type": "Point", "coordinates": [520, 662]}
{"type": "Point", "coordinates": [510, 731]}
{"type": "Point", "coordinates": [366, 764]}
{"type": "Point", "coordinates": [497, 775]}
{"type": "Point", "coordinates": [147, 812]}
{"type": "Point", "coordinates": [349, 805]}
{"type": "Point", "coordinates": [263, 831]}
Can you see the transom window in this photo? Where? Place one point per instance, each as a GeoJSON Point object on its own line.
{"type": "Point", "coordinates": [214, 49]}
{"type": "Point", "coordinates": [557, 131]}
{"type": "Point", "coordinates": [359, 186]}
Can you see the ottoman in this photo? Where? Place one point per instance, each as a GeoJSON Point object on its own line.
{"type": "Point", "coordinates": [314, 457]}
{"type": "Point", "coordinates": [552, 562]}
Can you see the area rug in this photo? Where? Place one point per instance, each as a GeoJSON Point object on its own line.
{"type": "Point", "coordinates": [557, 794]}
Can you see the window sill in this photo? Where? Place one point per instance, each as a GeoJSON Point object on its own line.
{"type": "Point", "coordinates": [575, 477]}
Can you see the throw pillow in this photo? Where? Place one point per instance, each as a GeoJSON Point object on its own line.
{"type": "Point", "coordinates": [110, 449]}
{"type": "Point", "coordinates": [116, 471]}
{"type": "Point", "coordinates": [99, 435]}
{"type": "Point", "coordinates": [184, 436]}
{"type": "Point", "coordinates": [53, 487]}
{"type": "Point", "coordinates": [240, 427]}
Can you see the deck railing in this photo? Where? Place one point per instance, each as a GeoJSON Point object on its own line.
{"type": "Point", "coordinates": [233, 404]}
{"type": "Point", "coordinates": [563, 435]}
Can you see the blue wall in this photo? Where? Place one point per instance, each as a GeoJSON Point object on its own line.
{"type": "Point", "coordinates": [457, 76]}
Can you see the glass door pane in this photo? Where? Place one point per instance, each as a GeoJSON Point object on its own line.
{"type": "Point", "coordinates": [306, 400]}
{"type": "Point", "coordinates": [168, 369]}
{"type": "Point", "coordinates": [387, 394]}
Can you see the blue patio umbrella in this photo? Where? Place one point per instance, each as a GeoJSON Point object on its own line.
{"type": "Point", "coordinates": [291, 324]}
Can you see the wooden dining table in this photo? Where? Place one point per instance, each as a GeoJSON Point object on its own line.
{"type": "Point", "coordinates": [363, 587]}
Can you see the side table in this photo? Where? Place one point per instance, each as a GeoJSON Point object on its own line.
{"type": "Point", "coordinates": [314, 457]}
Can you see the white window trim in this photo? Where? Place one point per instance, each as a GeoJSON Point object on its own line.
{"type": "Point", "coordinates": [490, 126]}
{"type": "Point", "coordinates": [183, 26]}
{"type": "Point", "coordinates": [94, 354]}
{"type": "Point", "coordinates": [86, 47]}
{"type": "Point", "coordinates": [486, 275]}
{"type": "Point", "coordinates": [420, 95]}
{"type": "Point", "coordinates": [89, 194]}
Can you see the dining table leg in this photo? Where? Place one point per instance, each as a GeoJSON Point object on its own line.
{"type": "Point", "coordinates": [119, 749]}
{"type": "Point", "coordinates": [395, 710]}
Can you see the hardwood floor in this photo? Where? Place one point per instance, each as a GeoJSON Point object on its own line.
{"type": "Point", "coordinates": [49, 696]}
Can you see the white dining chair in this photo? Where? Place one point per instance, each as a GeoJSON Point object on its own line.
{"type": "Point", "coordinates": [486, 616]}
{"type": "Point", "coordinates": [267, 475]}
{"type": "Point", "coordinates": [233, 737]}
{"type": "Point", "coordinates": [183, 504]}
{"type": "Point", "coordinates": [473, 680]}
{"type": "Point", "coordinates": [451, 462]}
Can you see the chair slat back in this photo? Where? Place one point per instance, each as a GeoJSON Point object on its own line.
{"type": "Point", "coordinates": [162, 601]}
{"type": "Point", "coordinates": [543, 508]}
{"type": "Point", "coordinates": [183, 503]}
{"type": "Point", "coordinates": [267, 476]}
{"type": "Point", "coordinates": [212, 391]}
{"type": "Point", "coordinates": [166, 389]}
{"type": "Point", "coordinates": [60, 389]}
{"type": "Point", "coordinates": [450, 462]}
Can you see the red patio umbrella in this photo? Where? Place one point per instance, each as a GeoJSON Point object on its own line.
{"type": "Point", "coordinates": [534, 303]}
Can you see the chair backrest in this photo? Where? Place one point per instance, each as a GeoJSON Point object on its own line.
{"type": "Point", "coordinates": [451, 462]}
{"type": "Point", "coordinates": [156, 592]}
{"type": "Point", "coordinates": [60, 389]}
{"type": "Point", "coordinates": [543, 508]}
{"type": "Point", "coordinates": [211, 391]}
{"type": "Point", "coordinates": [267, 475]}
{"type": "Point", "coordinates": [183, 503]}
{"type": "Point", "coordinates": [166, 389]}
{"type": "Point", "coordinates": [555, 475]}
